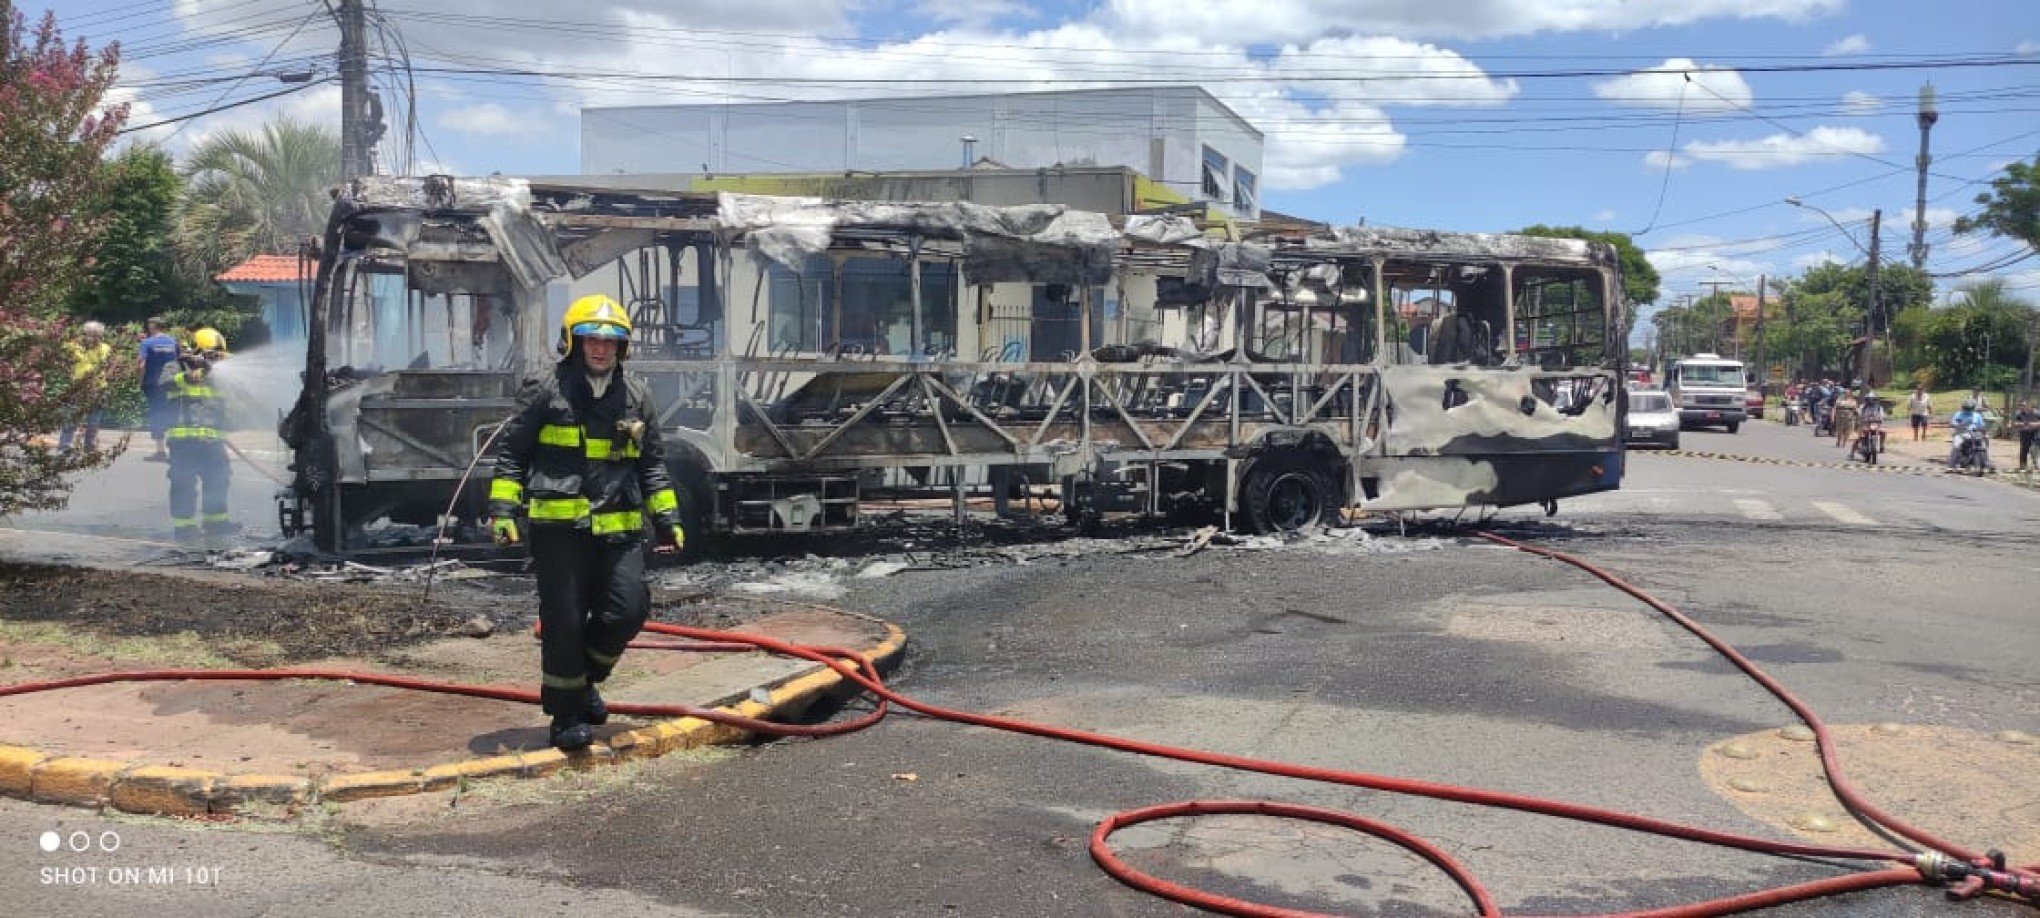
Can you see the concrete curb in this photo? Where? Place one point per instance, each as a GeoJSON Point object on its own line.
{"type": "Point", "coordinates": [30, 774]}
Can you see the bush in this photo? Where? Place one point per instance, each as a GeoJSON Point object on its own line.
{"type": "Point", "coordinates": [37, 398]}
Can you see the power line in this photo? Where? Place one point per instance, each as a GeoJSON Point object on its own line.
{"type": "Point", "coordinates": [257, 69]}
{"type": "Point", "coordinates": [1272, 78]}
{"type": "Point", "coordinates": [1671, 159]}
{"type": "Point", "coordinates": [301, 87]}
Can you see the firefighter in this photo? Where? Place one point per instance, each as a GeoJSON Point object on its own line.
{"type": "Point", "coordinates": [197, 443]}
{"type": "Point", "coordinates": [581, 460]}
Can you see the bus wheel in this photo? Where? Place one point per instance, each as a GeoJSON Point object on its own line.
{"type": "Point", "coordinates": [1289, 491]}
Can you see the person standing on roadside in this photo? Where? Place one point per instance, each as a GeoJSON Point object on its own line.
{"type": "Point", "coordinates": [158, 350]}
{"type": "Point", "coordinates": [1921, 407]}
{"type": "Point", "coordinates": [2027, 422]}
{"type": "Point", "coordinates": [582, 459]}
{"type": "Point", "coordinates": [88, 358]}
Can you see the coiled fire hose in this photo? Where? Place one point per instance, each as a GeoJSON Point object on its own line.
{"type": "Point", "coordinates": [1967, 872]}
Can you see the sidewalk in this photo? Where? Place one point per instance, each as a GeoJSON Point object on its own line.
{"type": "Point", "coordinates": [1898, 443]}
{"type": "Point", "coordinates": [272, 748]}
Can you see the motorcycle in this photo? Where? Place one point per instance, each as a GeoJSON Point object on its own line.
{"type": "Point", "coordinates": [1972, 451]}
{"type": "Point", "coordinates": [1869, 442]}
{"type": "Point", "coordinates": [1792, 414]}
{"type": "Point", "coordinates": [1823, 419]}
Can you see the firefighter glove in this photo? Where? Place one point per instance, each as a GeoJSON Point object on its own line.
{"type": "Point", "coordinates": [504, 528]}
{"type": "Point", "coordinates": [672, 539]}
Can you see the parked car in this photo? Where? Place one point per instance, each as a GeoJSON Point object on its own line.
{"type": "Point", "coordinates": [1652, 419]}
{"type": "Point", "coordinates": [1754, 403]}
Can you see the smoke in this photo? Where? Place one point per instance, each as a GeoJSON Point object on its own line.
{"type": "Point", "coordinates": [259, 385]}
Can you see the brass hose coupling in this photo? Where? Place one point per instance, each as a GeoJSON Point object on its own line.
{"type": "Point", "coordinates": [1968, 880]}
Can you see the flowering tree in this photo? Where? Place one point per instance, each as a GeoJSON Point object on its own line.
{"type": "Point", "coordinates": [53, 133]}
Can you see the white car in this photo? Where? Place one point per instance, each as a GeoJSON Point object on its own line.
{"type": "Point", "coordinates": [1652, 419]}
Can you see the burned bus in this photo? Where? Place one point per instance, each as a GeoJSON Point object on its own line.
{"type": "Point", "coordinates": [812, 357]}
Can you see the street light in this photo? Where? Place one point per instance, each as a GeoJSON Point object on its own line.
{"type": "Point", "coordinates": [1871, 321]}
{"type": "Point", "coordinates": [1795, 202]}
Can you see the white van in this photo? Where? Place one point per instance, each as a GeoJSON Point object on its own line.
{"type": "Point", "coordinates": [1709, 391]}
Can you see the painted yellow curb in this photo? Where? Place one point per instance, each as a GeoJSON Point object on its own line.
{"type": "Point", "coordinates": [74, 781]}
{"type": "Point", "coordinates": [17, 769]}
{"type": "Point", "coordinates": [165, 790]}
{"type": "Point", "coordinates": [31, 774]}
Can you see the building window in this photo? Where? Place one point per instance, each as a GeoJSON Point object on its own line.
{"type": "Point", "coordinates": [1244, 195]}
{"type": "Point", "coordinates": [1215, 174]}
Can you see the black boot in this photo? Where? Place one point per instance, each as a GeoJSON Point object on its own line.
{"type": "Point", "coordinates": [595, 713]}
{"type": "Point", "coordinates": [571, 734]}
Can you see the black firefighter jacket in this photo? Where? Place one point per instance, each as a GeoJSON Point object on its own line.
{"type": "Point", "coordinates": [571, 459]}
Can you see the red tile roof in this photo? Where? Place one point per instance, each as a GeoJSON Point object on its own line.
{"type": "Point", "coordinates": [270, 269]}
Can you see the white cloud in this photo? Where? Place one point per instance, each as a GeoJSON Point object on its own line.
{"type": "Point", "coordinates": [974, 13]}
{"type": "Point", "coordinates": [1429, 75]}
{"type": "Point", "coordinates": [1679, 83]}
{"type": "Point", "coordinates": [1604, 215]}
{"type": "Point", "coordinates": [1816, 259]}
{"type": "Point", "coordinates": [1686, 262]}
{"type": "Point", "coordinates": [139, 112]}
{"type": "Point", "coordinates": [1861, 103]}
{"type": "Point", "coordinates": [2027, 48]}
{"type": "Point", "coordinates": [1854, 44]}
{"type": "Point", "coordinates": [1656, 160]}
{"type": "Point", "coordinates": [1276, 21]}
{"type": "Point", "coordinates": [1781, 150]}
{"type": "Point", "coordinates": [1314, 128]}
{"type": "Point", "coordinates": [319, 106]}
{"type": "Point", "coordinates": [488, 119]}
{"type": "Point", "coordinates": [1937, 217]}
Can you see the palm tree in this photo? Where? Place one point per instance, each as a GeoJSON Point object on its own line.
{"type": "Point", "coordinates": [256, 192]}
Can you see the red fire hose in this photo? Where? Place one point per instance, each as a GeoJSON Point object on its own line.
{"type": "Point", "coordinates": [1970, 872]}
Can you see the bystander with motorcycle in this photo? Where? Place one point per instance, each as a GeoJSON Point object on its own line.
{"type": "Point", "coordinates": [1870, 417]}
{"type": "Point", "coordinates": [1969, 440]}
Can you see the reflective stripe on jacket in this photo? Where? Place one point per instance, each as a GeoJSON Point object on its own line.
{"type": "Point", "coordinates": [571, 459]}
{"type": "Point", "coordinates": [197, 410]}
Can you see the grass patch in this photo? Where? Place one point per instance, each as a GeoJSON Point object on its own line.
{"type": "Point", "coordinates": [182, 650]}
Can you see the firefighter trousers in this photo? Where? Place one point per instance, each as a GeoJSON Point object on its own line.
{"type": "Point", "coordinates": [592, 600]}
{"type": "Point", "coordinates": [196, 461]}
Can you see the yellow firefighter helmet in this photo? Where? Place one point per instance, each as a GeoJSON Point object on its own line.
{"type": "Point", "coordinates": [595, 316]}
{"type": "Point", "coordinates": [209, 340]}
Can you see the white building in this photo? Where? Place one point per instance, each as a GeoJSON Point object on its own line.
{"type": "Point", "coordinates": [1178, 135]}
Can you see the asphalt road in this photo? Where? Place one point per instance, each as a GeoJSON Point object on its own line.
{"type": "Point", "coordinates": [1880, 597]}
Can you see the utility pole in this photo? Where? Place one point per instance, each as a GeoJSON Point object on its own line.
{"type": "Point", "coordinates": [356, 118]}
{"type": "Point", "coordinates": [1871, 322]}
{"type": "Point", "coordinates": [1763, 369]}
{"type": "Point", "coordinates": [1715, 327]}
{"type": "Point", "coordinates": [1927, 116]}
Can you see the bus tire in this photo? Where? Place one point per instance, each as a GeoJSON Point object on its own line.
{"type": "Point", "coordinates": [1289, 491]}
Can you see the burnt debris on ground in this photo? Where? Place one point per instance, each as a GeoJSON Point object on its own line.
{"type": "Point", "coordinates": [254, 621]}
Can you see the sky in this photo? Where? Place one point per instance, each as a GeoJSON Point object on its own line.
{"type": "Point", "coordinates": [1686, 123]}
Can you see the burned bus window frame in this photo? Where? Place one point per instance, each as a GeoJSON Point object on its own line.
{"type": "Point", "coordinates": [1469, 313]}
{"type": "Point", "coordinates": [1576, 330]}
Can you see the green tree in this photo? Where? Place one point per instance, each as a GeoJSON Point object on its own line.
{"type": "Point", "coordinates": [256, 192]}
{"type": "Point", "coordinates": [2012, 206]}
{"type": "Point", "coordinates": [134, 273]}
{"type": "Point", "coordinates": [1981, 341]}
{"type": "Point", "coordinates": [1639, 278]}
{"type": "Point", "coordinates": [52, 135]}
